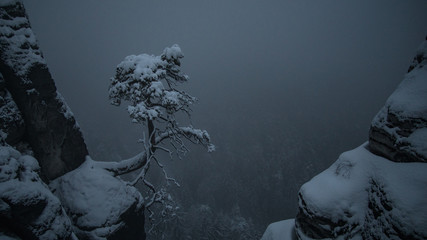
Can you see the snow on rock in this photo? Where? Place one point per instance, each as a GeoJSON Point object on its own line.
{"type": "Point", "coordinates": [99, 204]}
{"type": "Point", "coordinates": [50, 128]}
{"type": "Point", "coordinates": [11, 122]}
{"type": "Point", "coordinates": [28, 209]}
{"type": "Point", "coordinates": [283, 230]}
{"type": "Point", "coordinates": [64, 109]}
{"type": "Point", "coordinates": [399, 131]}
{"type": "Point", "coordinates": [363, 195]}
{"type": "Point", "coordinates": [18, 43]}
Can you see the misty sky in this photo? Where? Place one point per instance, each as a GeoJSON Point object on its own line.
{"type": "Point", "coordinates": [279, 82]}
{"type": "Point", "coordinates": [253, 64]}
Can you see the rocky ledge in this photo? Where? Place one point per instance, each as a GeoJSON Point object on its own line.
{"type": "Point", "coordinates": [376, 191]}
{"type": "Point", "coordinates": [399, 131]}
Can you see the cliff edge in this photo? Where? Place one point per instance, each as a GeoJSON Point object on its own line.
{"type": "Point", "coordinates": [376, 191]}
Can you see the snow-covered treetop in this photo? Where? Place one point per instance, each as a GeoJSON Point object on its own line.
{"type": "Point", "coordinates": [148, 83]}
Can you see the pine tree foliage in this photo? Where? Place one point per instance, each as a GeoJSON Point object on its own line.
{"type": "Point", "coordinates": [149, 85]}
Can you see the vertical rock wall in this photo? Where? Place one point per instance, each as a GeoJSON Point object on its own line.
{"type": "Point", "coordinates": [50, 127]}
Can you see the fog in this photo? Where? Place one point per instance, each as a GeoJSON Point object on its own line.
{"type": "Point", "coordinates": [284, 87]}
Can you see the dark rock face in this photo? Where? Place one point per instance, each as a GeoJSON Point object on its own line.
{"type": "Point", "coordinates": [399, 131]}
{"type": "Point", "coordinates": [11, 123]}
{"type": "Point", "coordinates": [133, 228]}
{"type": "Point", "coordinates": [317, 226]}
{"type": "Point", "coordinates": [381, 217]}
{"type": "Point", "coordinates": [50, 127]}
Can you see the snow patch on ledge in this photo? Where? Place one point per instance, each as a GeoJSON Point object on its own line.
{"type": "Point", "coordinates": [95, 199]}
{"type": "Point", "coordinates": [343, 192]}
{"type": "Point", "coordinates": [368, 192]}
{"type": "Point", "coordinates": [283, 230]}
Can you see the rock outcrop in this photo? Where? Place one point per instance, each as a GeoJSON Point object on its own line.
{"type": "Point", "coordinates": [399, 131]}
{"type": "Point", "coordinates": [12, 127]}
{"type": "Point", "coordinates": [363, 195]}
{"type": "Point", "coordinates": [100, 205]}
{"type": "Point", "coordinates": [81, 201]}
{"type": "Point", "coordinates": [50, 128]}
{"type": "Point", "coordinates": [28, 209]}
{"type": "Point", "coordinates": [376, 191]}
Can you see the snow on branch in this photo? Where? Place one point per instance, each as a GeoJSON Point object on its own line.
{"type": "Point", "coordinates": [124, 166]}
{"type": "Point", "coordinates": [198, 136]}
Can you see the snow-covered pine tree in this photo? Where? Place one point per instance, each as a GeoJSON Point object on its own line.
{"type": "Point", "coordinates": [149, 85]}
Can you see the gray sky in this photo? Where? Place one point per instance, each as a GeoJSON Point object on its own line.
{"type": "Point", "coordinates": [262, 70]}
{"type": "Point", "coordinates": [275, 59]}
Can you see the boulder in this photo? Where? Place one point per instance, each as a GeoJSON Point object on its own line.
{"type": "Point", "coordinates": [364, 196]}
{"type": "Point", "coordinates": [100, 205]}
{"type": "Point", "coordinates": [376, 191]}
{"type": "Point", "coordinates": [28, 209]}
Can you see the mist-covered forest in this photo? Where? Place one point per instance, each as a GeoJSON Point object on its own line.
{"type": "Point", "coordinates": [283, 88]}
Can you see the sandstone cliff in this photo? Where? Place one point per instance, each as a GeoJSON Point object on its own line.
{"type": "Point", "coordinates": [50, 128]}
{"type": "Point", "coordinates": [48, 187]}
{"type": "Point", "coordinates": [376, 191]}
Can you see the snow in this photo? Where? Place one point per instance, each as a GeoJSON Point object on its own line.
{"type": "Point", "coordinates": [32, 91]}
{"type": "Point", "coordinates": [9, 113]}
{"type": "Point", "coordinates": [418, 141]}
{"type": "Point", "coordinates": [20, 49]}
{"type": "Point", "coordinates": [283, 230]}
{"type": "Point", "coordinates": [200, 135]}
{"type": "Point", "coordinates": [65, 110]}
{"type": "Point", "coordinates": [21, 186]}
{"type": "Point", "coordinates": [340, 192]}
{"type": "Point", "coordinates": [5, 237]}
{"type": "Point", "coordinates": [156, 89]}
{"type": "Point", "coordinates": [171, 98]}
{"type": "Point", "coordinates": [173, 52]}
{"type": "Point", "coordinates": [140, 112]}
{"type": "Point", "coordinates": [410, 97]}
{"type": "Point", "coordinates": [95, 199]}
{"type": "Point", "coordinates": [408, 104]}
{"type": "Point", "coordinates": [142, 66]}
{"type": "Point", "coordinates": [146, 82]}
